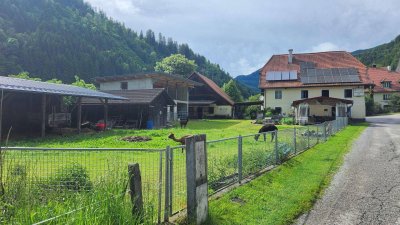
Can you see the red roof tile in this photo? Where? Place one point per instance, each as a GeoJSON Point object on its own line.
{"type": "Point", "coordinates": [213, 86]}
{"type": "Point", "coordinates": [378, 75]}
{"type": "Point", "coordinates": [335, 59]}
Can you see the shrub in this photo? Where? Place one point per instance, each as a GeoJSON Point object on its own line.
{"type": "Point", "coordinates": [72, 177]}
{"type": "Point", "coordinates": [287, 120]}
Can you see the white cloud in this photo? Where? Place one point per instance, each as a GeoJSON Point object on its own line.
{"type": "Point", "coordinates": [241, 35]}
{"type": "Point", "coordinates": [324, 47]}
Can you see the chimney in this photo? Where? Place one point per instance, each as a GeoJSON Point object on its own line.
{"type": "Point", "coordinates": [389, 68]}
{"type": "Point", "coordinates": [290, 57]}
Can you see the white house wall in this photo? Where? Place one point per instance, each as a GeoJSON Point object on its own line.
{"type": "Point", "coordinates": [292, 94]}
{"type": "Point", "coordinates": [135, 84]}
{"type": "Point", "coordinates": [223, 110]}
{"type": "Point", "coordinates": [378, 98]}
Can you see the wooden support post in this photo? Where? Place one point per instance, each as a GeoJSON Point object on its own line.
{"type": "Point", "coordinates": [135, 187]}
{"type": "Point", "coordinates": [105, 114]}
{"type": "Point", "coordinates": [196, 178]}
{"type": "Point", "coordinates": [79, 114]}
{"type": "Point", "coordinates": [1, 117]}
{"type": "Point", "coordinates": [43, 115]}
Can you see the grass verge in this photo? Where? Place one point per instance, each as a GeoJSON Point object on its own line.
{"type": "Point", "coordinates": [283, 194]}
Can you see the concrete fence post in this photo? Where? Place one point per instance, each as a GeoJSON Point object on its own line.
{"type": "Point", "coordinates": [135, 187]}
{"type": "Point", "coordinates": [240, 158]}
{"type": "Point", "coordinates": [196, 178]}
{"type": "Point", "coordinates": [277, 159]}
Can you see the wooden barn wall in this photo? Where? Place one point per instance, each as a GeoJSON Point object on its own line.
{"type": "Point", "coordinates": [94, 113]}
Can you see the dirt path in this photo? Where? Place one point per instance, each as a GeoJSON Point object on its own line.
{"type": "Point", "coordinates": [366, 190]}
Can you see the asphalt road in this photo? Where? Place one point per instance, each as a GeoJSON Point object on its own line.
{"type": "Point", "coordinates": [366, 190]}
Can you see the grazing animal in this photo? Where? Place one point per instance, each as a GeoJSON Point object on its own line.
{"type": "Point", "coordinates": [184, 122]}
{"type": "Point", "coordinates": [266, 128]}
{"type": "Point", "coordinates": [181, 140]}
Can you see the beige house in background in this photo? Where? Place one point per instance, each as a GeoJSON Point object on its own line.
{"type": "Point", "coordinates": [176, 87]}
{"type": "Point", "coordinates": [315, 87]}
{"type": "Point", "coordinates": [386, 83]}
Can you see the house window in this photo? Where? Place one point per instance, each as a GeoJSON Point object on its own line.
{"type": "Point", "coordinates": [210, 110]}
{"type": "Point", "coordinates": [386, 96]}
{"type": "Point", "coordinates": [348, 93]}
{"type": "Point", "coordinates": [325, 93]}
{"type": "Point", "coordinates": [386, 84]}
{"type": "Point", "coordinates": [278, 110]}
{"type": "Point", "coordinates": [278, 94]}
{"type": "Point", "coordinates": [304, 94]}
{"type": "Point", "coordinates": [124, 85]}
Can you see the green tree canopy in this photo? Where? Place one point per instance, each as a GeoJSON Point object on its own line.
{"type": "Point", "coordinates": [254, 98]}
{"type": "Point", "coordinates": [233, 91]}
{"type": "Point", "coordinates": [176, 64]}
{"type": "Point", "coordinates": [81, 83]}
{"type": "Point", "coordinates": [24, 75]}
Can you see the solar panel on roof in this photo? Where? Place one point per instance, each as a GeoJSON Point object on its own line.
{"type": "Point", "coordinates": [285, 75]}
{"type": "Point", "coordinates": [330, 75]}
{"type": "Point", "coordinates": [281, 75]}
{"type": "Point", "coordinates": [293, 75]}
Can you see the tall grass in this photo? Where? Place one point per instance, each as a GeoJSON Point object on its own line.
{"type": "Point", "coordinates": [69, 197]}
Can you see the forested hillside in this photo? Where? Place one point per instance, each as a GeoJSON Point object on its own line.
{"type": "Point", "coordinates": [250, 80]}
{"type": "Point", "coordinates": [382, 55]}
{"type": "Point", "coordinates": [63, 38]}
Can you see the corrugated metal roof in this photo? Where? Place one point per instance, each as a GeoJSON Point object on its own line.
{"type": "Point", "coordinates": [135, 97]}
{"type": "Point", "coordinates": [155, 75]}
{"type": "Point", "coordinates": [22, 85]}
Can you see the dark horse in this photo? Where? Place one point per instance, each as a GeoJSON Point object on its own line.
{"type": "Point", "coordinates": [266, 128]}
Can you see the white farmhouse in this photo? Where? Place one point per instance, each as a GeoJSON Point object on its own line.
{"type": "Point", "coordinates": [315, 87]}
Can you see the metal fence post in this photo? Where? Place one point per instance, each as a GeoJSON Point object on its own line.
{"type": "Point", "coordinates": [294, 140]}
{"type": "Point", "coordinates": [166, 207]}
{"type": "Point", "coordinates": [277, 160]}
{"type": "Point", "coordinates": [308, 137]}
{"type": "Point", "coordinates": [171, 175]}
{"type": "Point", "coordinates": [240, 155]}
{"type": "Point", "coordinates": [324, 131]}
{"type": "Point", "coordinates": [160, 186]}
{"type": "Point", "coordinates": [317, 134]}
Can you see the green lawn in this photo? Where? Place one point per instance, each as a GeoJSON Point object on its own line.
{"type": "Point", "coordinates": [214, 129]}
{"type": "Point", "coordinates": [281, 195]}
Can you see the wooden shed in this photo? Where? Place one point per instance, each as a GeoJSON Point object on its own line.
{"type": "Point", "coordinates": [30, 107]}
{"type": "Point", "coordinates": [141, 108]}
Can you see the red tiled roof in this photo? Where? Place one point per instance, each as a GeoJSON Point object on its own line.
{"type": "Point", "coordinates": [335, 59]}
{"type": "Point", "coordinates": [213, 86]}
{"type": "Point", "coordinates": [377, 75]}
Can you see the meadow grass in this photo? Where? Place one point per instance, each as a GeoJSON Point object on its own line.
{"type": "Point", "coordinates": [107, 172]}
{"type": "Point", "coordinates": [281, 195]}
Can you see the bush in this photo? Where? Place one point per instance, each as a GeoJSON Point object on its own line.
{"type": "Point", "coordinates": [72, 177]}
{"type": "Point", "coordinates": [287, 120]}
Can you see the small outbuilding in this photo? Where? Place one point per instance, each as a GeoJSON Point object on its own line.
{"type": "Point", "coordinates": [145, 108]}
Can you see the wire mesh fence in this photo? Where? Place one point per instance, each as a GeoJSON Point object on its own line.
{"type": "Point", "coordinates": [92, 182]}
{"type": "Point", "coordinates": [37, 179]}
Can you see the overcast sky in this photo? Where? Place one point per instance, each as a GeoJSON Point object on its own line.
{"type": "Point", "coordinates": [241, 35]}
